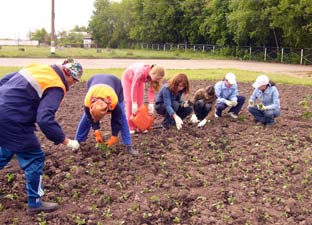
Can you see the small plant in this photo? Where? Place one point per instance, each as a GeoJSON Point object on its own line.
{"type": "Point", "coordinates": [304, 103]}
{"type": "Point", "coordinates": [103, 147]}
{"type": "Point", "coordinates": [260, 106]}
{"type": "Point", "coordinates": [10, 177]}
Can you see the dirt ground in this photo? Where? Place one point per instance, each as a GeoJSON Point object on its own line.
{"type": "Point", "coordinates": [228, 172]}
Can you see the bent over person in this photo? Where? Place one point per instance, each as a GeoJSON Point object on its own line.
{"type": "Point", "coordinates": [133, 80]}
{"type": "Point", "coordinates": [29, 96]}
{"type": "Point", "coordinates": [105, 96]}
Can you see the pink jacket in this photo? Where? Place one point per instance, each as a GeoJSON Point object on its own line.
{"type": "Point", "coordinates": [136, 75]}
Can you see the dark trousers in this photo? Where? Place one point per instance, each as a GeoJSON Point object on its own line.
{"type": "Point", "coordinates": [201, 109]}
{"type": "Point", "coordinates": [182, 112]}
{"type": "Point", "coordinates": [236, 109]}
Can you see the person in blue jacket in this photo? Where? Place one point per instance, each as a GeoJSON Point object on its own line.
{"type": "Point", "coordinates": [28, 97]}
{"type": "Point", "coordinates": [169, 101]}
{"type": "Point", "coordinates": [227, 96]}
{"type": "Point", "coordinates": [105, 96]}
{"type": "Point", "coordinates": [267, 96]}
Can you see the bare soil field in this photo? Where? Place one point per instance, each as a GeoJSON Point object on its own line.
{"type": "Point", "coordinates": [228, 172]}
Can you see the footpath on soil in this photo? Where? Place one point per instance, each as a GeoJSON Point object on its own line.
{"type": "Point", "coordinates": [228, 172]}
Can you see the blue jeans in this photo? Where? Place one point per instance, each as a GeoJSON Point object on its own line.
{"type": "Point", "coordinates": [32, 164]}
{"type": "Point", "coordinates": [182, 112]}
{"type": "Point", "coordinates": [266, 116]}
{"type": "Point", "coordinates": [236, 109]}
{"type": "Point", "coordinates": [201, 109]}
{"type": "Point", "coordinates": [84, 128]}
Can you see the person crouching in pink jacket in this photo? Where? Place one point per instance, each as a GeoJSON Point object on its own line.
{"type": "Point", "coordinates": [133, 82]}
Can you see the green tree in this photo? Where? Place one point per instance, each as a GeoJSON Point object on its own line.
{"type": "Point", "coordinates": [41, 35]}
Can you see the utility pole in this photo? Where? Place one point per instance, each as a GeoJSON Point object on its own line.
{"type": "Point", "coordinates": [52, 29]}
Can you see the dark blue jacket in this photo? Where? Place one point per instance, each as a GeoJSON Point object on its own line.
{"type": "Point", "coordinates": [21, 108]}
{"type": "Point", "coordinates": [166, 97]}
{"type": "Point", "coordinates": [116, 117]}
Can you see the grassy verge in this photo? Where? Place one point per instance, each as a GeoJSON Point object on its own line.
{"type": "Point", "coordinates": [195, 74]}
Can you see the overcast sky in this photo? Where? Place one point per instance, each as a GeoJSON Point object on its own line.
{"type": "Point", "coordinates": [18, 17]}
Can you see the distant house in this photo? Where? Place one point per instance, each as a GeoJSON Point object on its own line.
{"type": "Point", "coordinates": [18, 42]}
{"type": "Point", "coordinates": [87, 40]}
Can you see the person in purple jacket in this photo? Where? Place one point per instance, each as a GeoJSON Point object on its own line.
{"type": "Point", "coordinates": [28, 97]}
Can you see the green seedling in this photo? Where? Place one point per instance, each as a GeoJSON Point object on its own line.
{"type": "Point", "coordinates": [260, 106]}
{"type": "Point", "coordinates": [103, 147]}
{"type": "Point", "coordinates": [10, 177]}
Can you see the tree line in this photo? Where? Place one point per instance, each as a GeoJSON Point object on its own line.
{"type": "Point", "coordinates": [274, 23]}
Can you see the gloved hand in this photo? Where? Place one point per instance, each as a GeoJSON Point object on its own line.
{"type": "Point", "coordinates": [98, 136]}
{"type": "Point", "coordinates": [73, 144]}
{"type": "Point", "coordinates": [178, 121]}
{"type": "Point", "coordinates": [261, 107]}
{"type": "Point", "coordinates": [134, 108]}
{"type": "Point", "coordinates": [202, 123]}
{"type": "Point", "coordinates": [111, 141]}
{"type": "Point", "coordinates": [151, 108]}
{"type": "Point", "coordinates": [251, 103]}
{"type": "Point", "coordinates": [228, 103]}
{"type": "Point", "coordinates": [194, 119]}
{"type": "Point", "coordinates": [186, 104]}
{"type": "Point", "coordinates": [233, 103]}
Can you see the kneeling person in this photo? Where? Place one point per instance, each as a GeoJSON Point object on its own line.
{"type": "Point", "coordinates": [204, 105]}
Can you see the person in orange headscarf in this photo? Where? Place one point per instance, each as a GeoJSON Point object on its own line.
{"type": "Point", "coordinates": [105, 96]}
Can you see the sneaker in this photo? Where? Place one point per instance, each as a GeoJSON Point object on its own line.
{"type": "Point", "coordinates": [216, 115]}
{"type": "Point", "coordinates": [45, 207]}
{"type": "Point", "coordinates": [233, 115]}
{"type": "Point", "coordinates": [133, 152]}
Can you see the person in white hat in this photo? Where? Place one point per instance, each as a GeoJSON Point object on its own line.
{"type": "Point", "coordinates": [267, 96]}
{"type": "Point", "coordinates": [227, 96]}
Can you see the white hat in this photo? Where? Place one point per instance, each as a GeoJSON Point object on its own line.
{"type": "Point", "coordinates": [230, 77]}
{"type": "Point", "coordinates": [261, 80]}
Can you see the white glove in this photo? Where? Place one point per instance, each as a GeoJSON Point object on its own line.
{"type": "Point", "coordinates": [251, 103]}
{"type": "Point", "coordinates": [202, 123]}
{"type": "Point", "coordinates": [151, 108]}
{"type": "Point", "coordinates": [233, 103]}
{"type": "Point", "coordinates": [228, 103]}
{"type": "Point", "coordinates": [73, 144]}
{"type": "Point", "coordinates": [134, 107]}
{"type": "Point", "coordinates": [194, 119]}
{"type": "Point", "coordinates": [178, 122]}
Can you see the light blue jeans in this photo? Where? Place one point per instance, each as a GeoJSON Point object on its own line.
{"type": "Point", "coordinates": [32, 164]}
{"type": "Point", "coordinates": [266, 117]}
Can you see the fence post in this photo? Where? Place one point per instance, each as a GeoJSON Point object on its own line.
{"type": "Point", "coordinates": [265, 54]}
{"type": "Point", "coordinates": [213, 49]}
{"type": "Point", "coordinates": [194, 48]}
{"type": "Point", "coordinates": [301, 57]}
{"type": "Point", "coordinates": [164, 47]}
{"type": "Point", "coordinates": [249, 53]}
{"type": "Point", "coordinates": [282, 55]}
{"type": "Point", "coordinates": [203, 48]}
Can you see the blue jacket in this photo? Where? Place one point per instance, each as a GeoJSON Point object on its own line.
{"type": "Point", "coordinates": [224, 93]}
{"type": "Point", "coordinates": [22, 105]}
{"type": "Point", "coordinates": [166, 97]}
{"type": "Point", "coordinates": [269, 98]}
{"type": "Point", "coordinates": [116, 117]}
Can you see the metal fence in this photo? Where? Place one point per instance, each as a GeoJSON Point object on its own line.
{"type": "Point", "coordinates": [266, 54]}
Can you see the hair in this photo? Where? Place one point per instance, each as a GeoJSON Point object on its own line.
{"type": "Point", "coordinates": [159, 72]}
{"type": "Point", "coordinates": [210, 90]}
{"type": "Point", "coordinates": [176, 80]}
{"type": "Point", "coordinates": [272, 83]}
